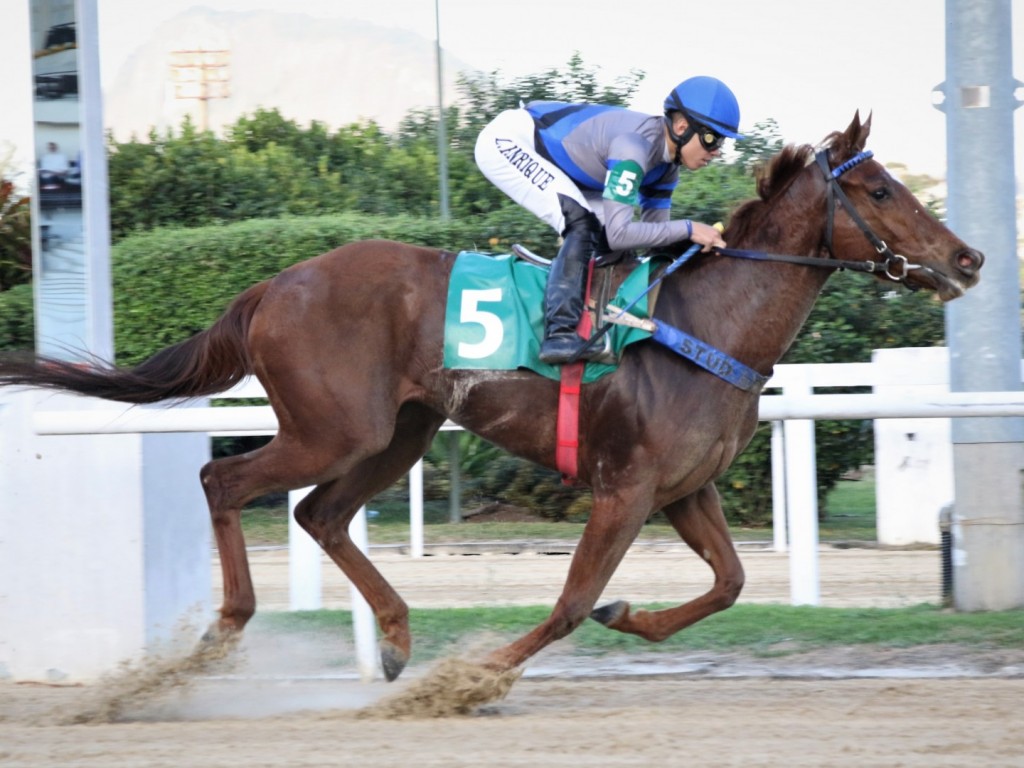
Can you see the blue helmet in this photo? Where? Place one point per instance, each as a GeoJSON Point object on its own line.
{"type": "Point", "coordinates": [709, 101]}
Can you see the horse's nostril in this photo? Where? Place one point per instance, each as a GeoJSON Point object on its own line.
{"type": "Point", "coordinates": [970, 260]}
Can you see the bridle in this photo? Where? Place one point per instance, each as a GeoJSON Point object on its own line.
{"type": "Point", "coordinates": [837, 196]}
{"type": "Point", "coordinates": [893, 266]}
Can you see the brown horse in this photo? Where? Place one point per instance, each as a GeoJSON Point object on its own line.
{"type": "Point", "coordinates": [349, 348]}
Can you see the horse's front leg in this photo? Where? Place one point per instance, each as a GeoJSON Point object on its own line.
{"type": "Point", "coordinates": [699, 520]}
{"type": "Point", "coordinates": [614, 523]}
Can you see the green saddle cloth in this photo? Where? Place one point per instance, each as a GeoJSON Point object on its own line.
{"type": "Point", "coordinates": [494, 319]}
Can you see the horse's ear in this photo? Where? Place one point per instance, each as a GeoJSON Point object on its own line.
{"type": "Point", "coordinates": [857, 133]}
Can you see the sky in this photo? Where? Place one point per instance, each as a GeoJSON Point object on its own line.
{"type": "Point", "coordinates": [807, 64]}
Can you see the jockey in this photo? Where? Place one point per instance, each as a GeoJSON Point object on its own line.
{"type": "Point", "coordinates": [584, 168]}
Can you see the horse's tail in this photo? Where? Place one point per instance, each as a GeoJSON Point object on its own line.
{"type": "Point", "coordinates": [209, 362]}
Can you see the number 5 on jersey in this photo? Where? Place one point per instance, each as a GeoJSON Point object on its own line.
{"type": "Point", "coordinates": [622, 182]}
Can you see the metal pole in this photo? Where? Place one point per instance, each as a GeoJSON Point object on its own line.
{"type": "Point", "coordinates": [442, 131]}
{"type": "Point", "coordinates": [983, 328]}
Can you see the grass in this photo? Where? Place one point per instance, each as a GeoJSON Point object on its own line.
{"type": "Point", "coordinates": [851, 517]}
{"type": "Point", "coordinates": [764, 630]}
{"type": "Point", "coordinates": [851, 511]}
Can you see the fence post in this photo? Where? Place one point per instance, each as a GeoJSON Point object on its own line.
{"type": "Point", "coordinates": [304, 566]}
{"type": "Point", "coordinates": [779, 540]}
{"type": "Point", "coordinates": [416, 509]}
{"type": "Point", "coordinates": [801, 499]}
{"type": "Point", "coordinates": [363, 625]}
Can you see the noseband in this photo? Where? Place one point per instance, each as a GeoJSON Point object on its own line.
{"type": "Point", "coordinates": [894, 266]}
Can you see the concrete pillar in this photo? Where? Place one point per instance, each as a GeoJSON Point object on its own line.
{"type": "Point", "coordinates": [104, 545]}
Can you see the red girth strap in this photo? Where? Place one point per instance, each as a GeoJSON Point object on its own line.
{"type": "Point", "coordinates": [567, 440]}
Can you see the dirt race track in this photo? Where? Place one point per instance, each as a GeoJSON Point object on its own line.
{"type": "Point", "coordinates": [297, 706]}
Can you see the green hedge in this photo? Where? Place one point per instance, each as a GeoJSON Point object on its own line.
{"type": "Point", "coordinates": [171, 283]}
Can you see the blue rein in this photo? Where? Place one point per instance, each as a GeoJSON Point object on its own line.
{"type": "Point", "coordinates": [685, 345]}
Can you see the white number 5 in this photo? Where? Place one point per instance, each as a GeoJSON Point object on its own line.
{"type": "Point", "coordinates": [494, 331]}
{"type": "Point", "coordinates": [626, 184]}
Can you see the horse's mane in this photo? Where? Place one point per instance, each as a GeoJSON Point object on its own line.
{"type": "Point", "coordinates": [773, 179]}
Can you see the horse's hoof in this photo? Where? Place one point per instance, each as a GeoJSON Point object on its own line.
{"type": "Point", "coordinates": [611, 613]}
{"type": "Point", "coordinates": [216, 636]}
{"type": "Point", "coordinates": [392, 660]}
{"type": "Point", "coordinates": [212, 636]}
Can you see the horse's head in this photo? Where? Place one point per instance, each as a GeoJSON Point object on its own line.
{"type": "Point", "coordinates": [872, 216]}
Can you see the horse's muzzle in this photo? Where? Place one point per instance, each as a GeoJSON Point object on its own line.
{"type": "Point", "coordinates": [968, 262]}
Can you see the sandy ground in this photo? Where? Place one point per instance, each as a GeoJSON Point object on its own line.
{"type": "Point", "coordinates": [296, 707]}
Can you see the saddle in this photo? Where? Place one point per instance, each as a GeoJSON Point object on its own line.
{"type": "Point", "coordinates": [608, 272]}
{"type": "Point", "coordinates": [494, 314]}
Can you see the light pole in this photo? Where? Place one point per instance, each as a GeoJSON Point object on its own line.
{"type": "Point", "coordinates": [983, 327]}
{"type": "Point", "coordinates": [442, 137]}
{"type": "Point", "coordinates": [202, 75]}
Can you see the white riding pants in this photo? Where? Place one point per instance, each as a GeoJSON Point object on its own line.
{"type": "Point", "coordinates": [506, 155]}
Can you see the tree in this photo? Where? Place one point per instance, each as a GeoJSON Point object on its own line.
{"type": "Point", "coordinates": [269, 126]}
{"type": "Point", "coordinates": [484, 96]}
{"type": "Point", "coordinates": [762, 142]}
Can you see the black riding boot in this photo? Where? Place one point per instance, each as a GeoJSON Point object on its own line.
{"type": "Point", "coordinates": [563, 295]}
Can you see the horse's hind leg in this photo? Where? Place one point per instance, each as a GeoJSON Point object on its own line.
{"type": "Point", "coordinates": [700, 522]}
{"type": "Point", "coordinates": [327, 511]}
{"type": "Point", "coordinates": [295, 458]}
{"type": "Point", "coordinates": [229, 485]}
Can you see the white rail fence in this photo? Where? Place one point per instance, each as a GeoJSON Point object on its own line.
{"type": "Point", "coordinates": [792, 411]}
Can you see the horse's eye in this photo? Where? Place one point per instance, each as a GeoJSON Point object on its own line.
{"type": "Point", "coordinates": [882, 193]}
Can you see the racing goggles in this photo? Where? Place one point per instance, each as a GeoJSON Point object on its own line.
{"type": "Point", "coordinates": [708, 138]}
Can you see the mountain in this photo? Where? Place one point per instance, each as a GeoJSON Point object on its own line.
{"type": "Point", "coordinates": [332, 70]}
